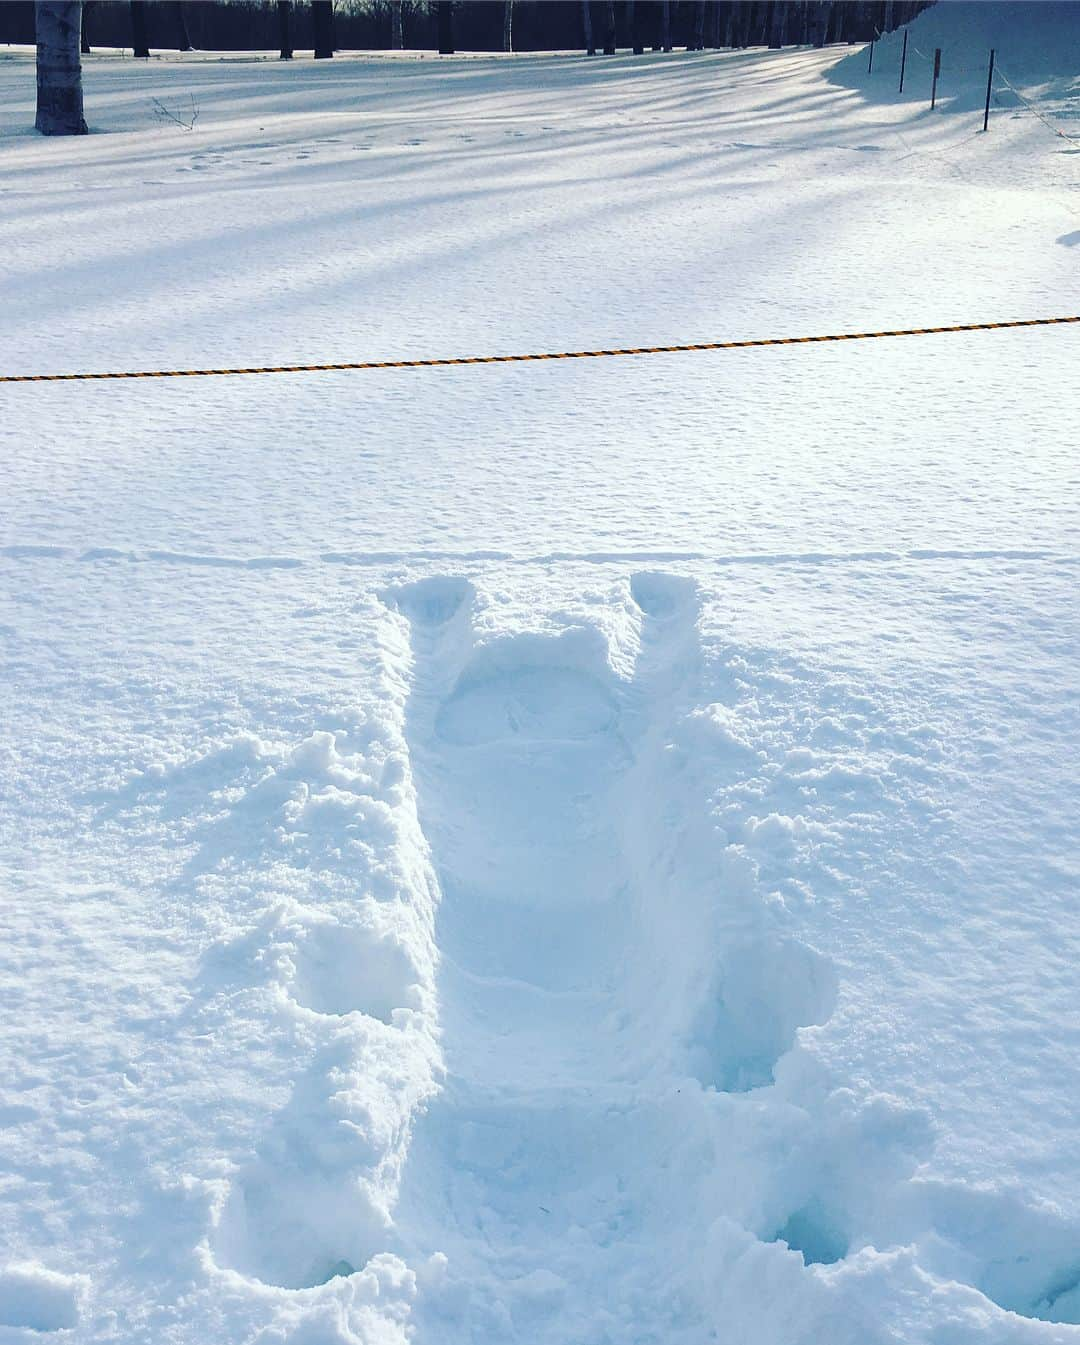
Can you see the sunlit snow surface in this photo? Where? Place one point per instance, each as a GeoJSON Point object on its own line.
{"type": "Point", "coordinates": [580, 854]}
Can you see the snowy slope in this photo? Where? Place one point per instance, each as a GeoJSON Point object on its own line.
{"type": "Point", "coordinates": [1034, 40]}
{"type": "Point", "coordinates": [573, 853]}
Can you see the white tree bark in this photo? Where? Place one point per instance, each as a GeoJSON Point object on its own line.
{"type": "Point", "coordinates": [59, 67]}
{"type": "Point", "coordinates": [397, 26]}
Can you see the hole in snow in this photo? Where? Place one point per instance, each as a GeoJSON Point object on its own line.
{"type": "Point", "coordinates": [431, 602]}
{"type": "Point", "coordinates": [1023, 1256]}
{"type": "Point", "coordinates": [1061, 1302]}
{"type": "Point", "coordinates": [1007, 1282]}
{"type": "Point", "coordinates": [290, 1230]}
{"type": "Point", "coordinates": [34, 1298]}
{"type": "Point", "coordinates": [306, 1204]}
{"type": "Point", "coordinates": [344, 969]}
{"type": "Point", "coordinates": [812, 1233]}
{"type": "Point", "coordinates": [661, 595]}
{"type": "Point", "coordinates": [339, 1270]}
{"type": "Point", "coordinates": [767, 990]}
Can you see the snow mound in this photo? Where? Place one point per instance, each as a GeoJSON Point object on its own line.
{"type": "Point", "coordinates": [1034, 41]}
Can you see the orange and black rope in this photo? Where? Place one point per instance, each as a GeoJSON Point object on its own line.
{"type": "Point", "coordinates": [522, 359]}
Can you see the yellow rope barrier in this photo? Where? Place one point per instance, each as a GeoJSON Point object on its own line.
{"type": "Point", "coordinates": [521, 359]}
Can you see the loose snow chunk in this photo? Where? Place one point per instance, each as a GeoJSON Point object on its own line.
{"type": "Point", "coordinates": [40, 1299]}
{"type": "Point", "coordinates": [775, 832]}
{"type": "Point", "coordinates": [727, 728]}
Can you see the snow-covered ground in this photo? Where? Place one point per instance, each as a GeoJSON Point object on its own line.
{"type": "Point", "coordinates": [578, 854]}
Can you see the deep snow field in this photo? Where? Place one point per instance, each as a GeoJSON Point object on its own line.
{"type": "Point", "coordinates": [576, 854]}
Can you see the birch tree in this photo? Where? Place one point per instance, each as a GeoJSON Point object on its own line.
{"type": "Point", "coordinates": [508, 25]}
{"type": "Point", "coordinates": [59, 67]}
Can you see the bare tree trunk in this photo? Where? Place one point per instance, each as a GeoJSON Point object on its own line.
{"type": "Point", "coordinates": [849, 15]}
{"type": "Point", "coordinates": [508, 25]}
{"type": "Point", "coordinates": [284, 17]}
{"type": "Point", "coordinates": [586, 17]}
{"type": "Point", "coordinates": [821, 22]}
{"type": "Point", "coordinates": [609, 28]}
{"type": "Point", "coordinates": [747, 27]}
{"type": "Point", "coordinates": [139, 46]}
{"type": "Point", "coordinates": [322, 20]}
{"type": "Point", "coordinates": [699, 26]}
{"type": "Point", "coordinates": [633, 22]}
{"type": "Point", "coordinates": [806, 21]}
{"type": "Point", "coordinates": [777, 24]}
{"type": "Point", "coordinates": [84, 41]}
{"type": "Point", "coordinates": [446, 28]}
{"type": "Point", "coordinates": [397, 26]}
{"type": "Point", "coordinates": [665, 24]}
{"type": "Point", "coordinates": [58, 25]}
{"type": "Point", "coordinates": [184, 43]}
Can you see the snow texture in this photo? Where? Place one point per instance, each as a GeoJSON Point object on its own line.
{"type": "Point", "coordinates": [576, 853]}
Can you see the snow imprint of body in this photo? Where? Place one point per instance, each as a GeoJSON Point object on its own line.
{"type": "Point", "coordinates": [621, 1014]}
{"type": "Point", "coordinates": [596, 951]}
{"type": "Point", "coordinates": [617, 1008]}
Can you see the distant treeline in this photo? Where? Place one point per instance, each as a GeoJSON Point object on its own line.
{"type": "Point", "coordinates": [479, 25]}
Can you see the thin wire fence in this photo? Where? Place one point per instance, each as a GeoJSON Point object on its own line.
{"type": "Point", "coordinates": [1001, 83]}
{"type": "Point", "coordinates": [1064, 135]}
